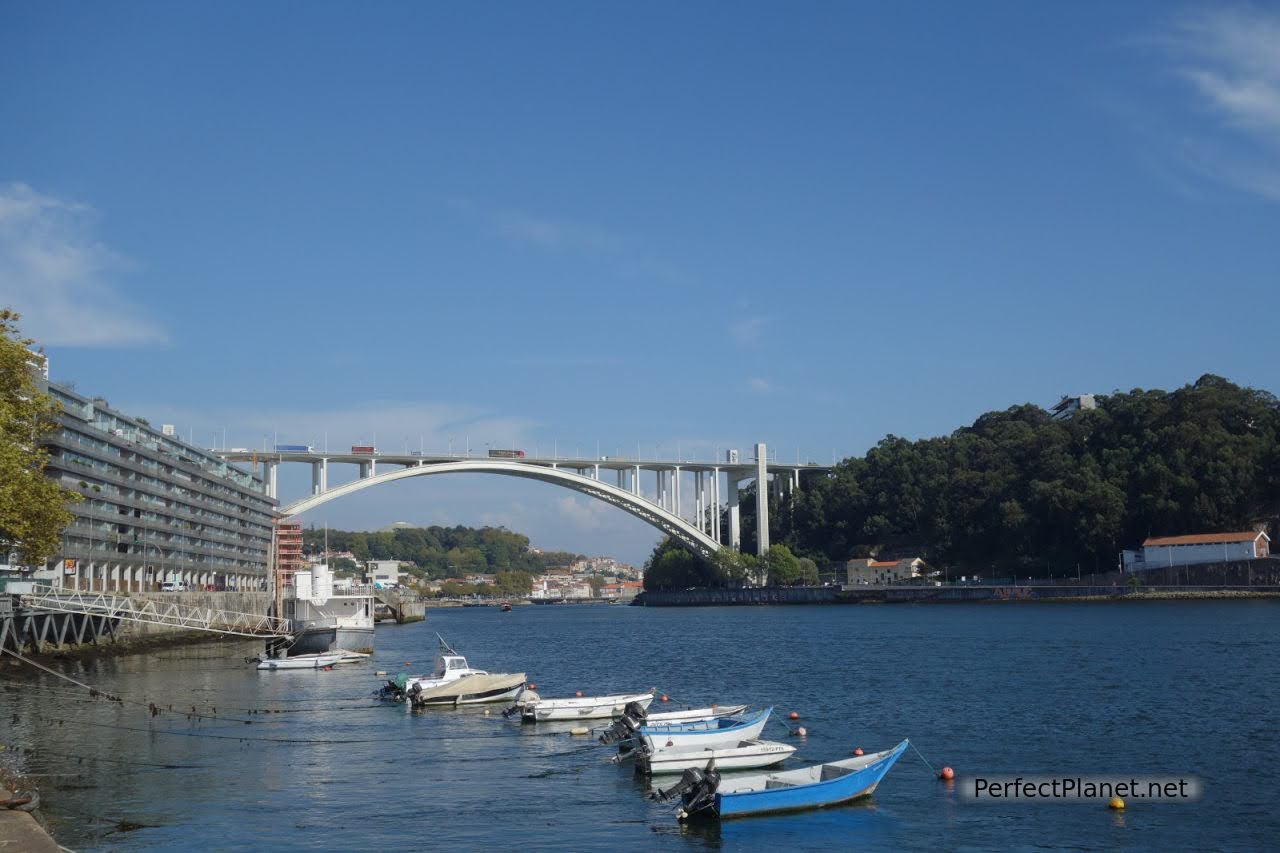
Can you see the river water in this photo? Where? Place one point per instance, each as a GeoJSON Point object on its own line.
{"type": "Point", "coordinates": [1150, 688]}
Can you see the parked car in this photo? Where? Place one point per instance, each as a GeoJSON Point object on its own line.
{"type": "Point", "coordinates": [173, 586]}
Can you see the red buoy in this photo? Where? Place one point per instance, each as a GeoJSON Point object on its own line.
{"type": "Point", "coordinates": [533, 686]}
{"type": "Point", "coordinates": [857, 750]}
{"type": "Point", "coordinates": [664, 697]}
{"type": "Point", "coordinates": [947, 774]}
{"type": "Point", "coordinates": [793, 716]}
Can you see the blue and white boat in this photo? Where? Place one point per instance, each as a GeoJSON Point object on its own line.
{"type": "Point", "coordinates": [704, 794]}
{"type": "Point", "coordinates": [704, 734]}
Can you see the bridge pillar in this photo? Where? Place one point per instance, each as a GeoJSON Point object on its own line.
{"type": "Point", "coordinates": [596, 470]}
{"type": "Point", "coordinates": [715, 502]}
{"type": "Point", "coordinates": [762, 500]}
{"type": "Point", "coordinates": [700, 499]}
{"type": "Point", "coordinates": [735, 528]}
{"type": "Point", "coordinates": [365, 470]}
{"type": "Point", "coordinates": [317, 478]}
{"type": "Point", "coordinates": [635, 480]}
{"type": "Point", "coordinates": [675, 490]}
{"type": "Point", "coordinates": [269, 478]}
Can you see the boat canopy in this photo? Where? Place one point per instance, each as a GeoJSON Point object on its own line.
{"type": "Point", "coordinates": [448, 663]}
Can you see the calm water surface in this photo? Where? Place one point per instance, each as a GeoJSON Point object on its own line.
{"type": "Point", "coordinates": [1125, 689]}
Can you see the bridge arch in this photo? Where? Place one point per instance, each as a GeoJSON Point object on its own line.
{"type": "Point", "coordinates": [668, 522]}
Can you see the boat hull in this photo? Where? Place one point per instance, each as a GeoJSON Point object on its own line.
{"type": "Point", "coordinates": [772, 793]}
{"type": "Point", "coordinates": [472, 690]}
{"type": "Point", "coordinates": [318, 640]}
{"type": "Point", "coordinates": [585, 708]}
{"type": "Point", "coordinates": [703, 734]}
{"type": "Point", "coordinates": [306, 662]}
{"type": "Point", "coordinates": [747, 755]}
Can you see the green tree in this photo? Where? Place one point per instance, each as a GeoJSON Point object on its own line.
{"type": "Point", "coordinates": [33, 508]}
{"type": "Point", "coordinates": [673, 566]}
{"type": "Point", "coordinates": [782, 566]}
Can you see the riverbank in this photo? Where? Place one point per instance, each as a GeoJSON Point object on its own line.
{"type": "Point", "coordinates": [754, 596]}
{"type": "Point", "coordinates": [19, 828]}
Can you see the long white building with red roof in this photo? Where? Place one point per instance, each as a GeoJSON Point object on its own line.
{"type": "Point", "coordinates": [1163, 551]}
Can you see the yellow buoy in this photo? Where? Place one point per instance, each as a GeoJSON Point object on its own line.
{"type": "Point", "coordinates": [581, 730]}
{"type": "Point", "coordinates": [1116, 803]}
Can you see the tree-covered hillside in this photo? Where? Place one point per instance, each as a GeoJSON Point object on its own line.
{"type": "Point", "coordinates": [1021, 491]}
{"type": "Point", "coordinates": [441, 551]}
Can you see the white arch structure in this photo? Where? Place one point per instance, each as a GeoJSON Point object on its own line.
{"type": "Point", "coordinates": [641, 508]}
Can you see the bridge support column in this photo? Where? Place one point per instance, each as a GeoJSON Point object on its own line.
{"type": "Point", "coordinates": [596, 470]}
{"type": "Point", "coordinates": [317, 477]}
{"type": "Point", "coordinates": [762, 500]}
{"type": "Point", "coordinates": [269, 478]}
{"type": "Point", "coordinates": [366, 470]}
{"type": "Point", "coordinates": [635, 480]}
{"type": "Point", "coordinates": [735, 528]}
{"type": "Point", "coordinates": [675, 490]}
{"type": "Point", "coordinates": [715, 503]}
{"type": "Point", "coordinates": [697, 500]}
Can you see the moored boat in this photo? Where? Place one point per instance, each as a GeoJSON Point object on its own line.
{"type": "Point", "coordinates": [623, 731]}
{"type": "Point", "coordinates": [453, 682]}
{"type": "Point", "coordinates": [705, 794]}
{"type": "Point", "coordinates": [536, 709]}
{"type": "Point", "coordinates": [745, 755]}
{"type": "Point", "coordinates": [313, 661]}
{"type": "Point", "coordinates": [704, 734]}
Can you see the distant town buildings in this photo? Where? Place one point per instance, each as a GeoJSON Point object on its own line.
{"type": "Point", "coordinates": [1164, 551]}
{"type": "Point", "coordinates": [866, 571]}
{"type": "Point", "coordinates": [1068, 406]}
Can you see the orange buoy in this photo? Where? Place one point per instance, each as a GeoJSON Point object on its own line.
{"type": "Point", "coordinates": [800, 730]}
{"type": "Point", "coordinates": [663, 698]}
{"type": "Point", "coordinates": [857, 750]}
{"type": "Point", "coordinates": [1116, 803]}
{"type": "Point", "coordinates": [947, 774]}
{"type": "Point", "coordinates": [577, 693]}
{"type": "Point", "coordinates": [532, 686]}
{"type": "Point", "coordinates": [793, 716]}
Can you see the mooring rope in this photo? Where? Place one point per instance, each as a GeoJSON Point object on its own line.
{"type": "Point", "coordinates": [94, 693]}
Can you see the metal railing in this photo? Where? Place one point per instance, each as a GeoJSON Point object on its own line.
{"type": "Point", "coordinates": [170, 613]}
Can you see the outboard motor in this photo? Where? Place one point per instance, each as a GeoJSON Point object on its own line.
{"type": "Point", "coordinates": [633, 717]}
{"type": "Point", "coordinates": [696, 789]}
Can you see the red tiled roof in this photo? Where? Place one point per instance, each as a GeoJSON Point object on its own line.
{"type": "Point", "coordinates": [883, 564]}
{"type": "Point", "coordinates": [1205, 538]}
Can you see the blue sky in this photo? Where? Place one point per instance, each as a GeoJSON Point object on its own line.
{"type": "Point", "coordinates": [668, 224]}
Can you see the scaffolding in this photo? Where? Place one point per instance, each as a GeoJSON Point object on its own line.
{"type": "Point", "coordinates": [172, 614]}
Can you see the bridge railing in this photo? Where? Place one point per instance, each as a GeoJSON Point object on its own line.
{"type": "Point", "coordinates": [174, 614]}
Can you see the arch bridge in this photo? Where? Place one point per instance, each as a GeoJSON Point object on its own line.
{"type": "Point", "coordinates": [617, 481]}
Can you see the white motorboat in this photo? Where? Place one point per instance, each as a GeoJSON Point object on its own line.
{"type": "Point", "coordinates": [533, 708]}
{"type": "Point", "coordinates": [351, 657]}
{"type": "Point", "coordinates": [745, 755]}
{"type": "Point", "coordinates": [453, 682]}
{"type": "Point", "coordinates": [316, 661]}
{"type": "Point", "coordinates": [624, 729]}
{"type": "Point", "coordinates": [711, 734]}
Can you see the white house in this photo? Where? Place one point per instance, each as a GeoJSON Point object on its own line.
{"type": "Point", "coordinates": [383, 572]}
{"type": "Point", "coordinates": [1163, 551]}
{"type": "Point", "coordinates": [864, 571]}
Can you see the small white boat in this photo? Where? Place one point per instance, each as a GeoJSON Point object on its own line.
{"type": "Point", "coordinates": [536, 709]}
{"type": "Point", "coordinates": [351, 657]}
{"type": "Point", "coordinates": [623, 731]}
{"type": "Point", "coordinates": [711, 734]}
{"type": "Point", "coordinates": [453, 682]}
{"type": "Point", "coordinates": [315, 661]}
{"type": "Point", "coordinates": [745, 755]}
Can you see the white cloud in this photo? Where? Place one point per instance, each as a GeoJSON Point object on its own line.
{"type": "Point", "coordinates": [748, 330]}
{"type": "Point", "coordinates": [58, 276]}
{"type": "Point", "coordinates": [759, 385]}
{"type": "Point", "coordinates": [1230, 58]}
{"type": "Point", "coordinates": [584, 514]}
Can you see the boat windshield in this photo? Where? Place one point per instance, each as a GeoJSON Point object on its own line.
{"type": "Point", "coordinates": [449, 663]}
